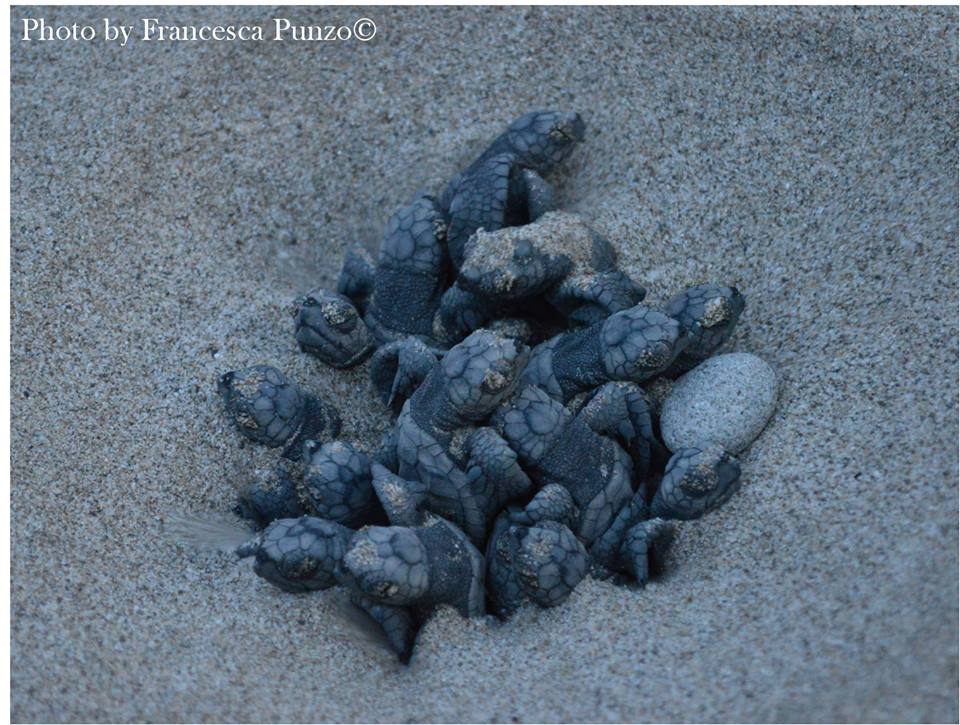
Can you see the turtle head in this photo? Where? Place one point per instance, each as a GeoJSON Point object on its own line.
{"type": "Point", "coordinates": [709, 313]}
{"type": "Point", "coordinates": [542, 139]}
{"type": "Point", "coordinates": [640, 342]}
{"type": "Point", "coordinates": [481, 371]}
{"type": "Point", "coordinates": [329, 327]}
{"type": "Point", "coordinates": [264, 404]}
{"type": "Point", "coordinates": [496, 264]}
{"type": "Point", "coordinates": [387, 563]}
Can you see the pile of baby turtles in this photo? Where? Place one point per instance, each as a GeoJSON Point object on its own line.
{"type": "Point", "coordinates": [549, 423]}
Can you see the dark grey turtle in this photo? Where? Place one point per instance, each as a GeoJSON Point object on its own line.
{"type": "Point", "coordinates": [558, 257]}
{"type": "Point", "coordinates": [398, 295]}
{"type": "Point", "coordinates": [299, 555]}
{"type": "Point", "coordinates": [504, 185]}
{"type": "Point", "coordinates": [469, 472]}
{"type": "Point", "coordinates": [532, 554]}
{"type": "Point", "coordinates": [696, 480]}
{"type": "Point", "coordinates": [416, 566]}
{"type": "Point", "coordinates": [632, 345]}
{"type": "Point", "coordinates": [269, 408]}
{"type": "Point", "coordinates": [328, 326]}
{"type": "Point", "coordinates": [337, 483]}
{"type": "Point", "coordinates": [577, 452]}
{"type": "Point", "coordinates": [708, 313]}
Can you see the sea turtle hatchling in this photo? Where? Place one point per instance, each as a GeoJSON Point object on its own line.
{"type": "Point", "coordinates": [271, 409]}
{"type": "Point", "coordinates": [469, 471]}
{"type": "Point", "coordinates": [578, 451]}
{"type": "Point", "coordinates": [558, 257]}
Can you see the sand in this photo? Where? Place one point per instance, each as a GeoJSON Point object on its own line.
{"type": "Point", "coordinates": [170, 200]}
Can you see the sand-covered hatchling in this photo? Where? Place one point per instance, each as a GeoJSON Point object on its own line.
{"type": "Point", "coordinates": [550, 422]}
{"type": "Point", "coordinates": [558, 258]}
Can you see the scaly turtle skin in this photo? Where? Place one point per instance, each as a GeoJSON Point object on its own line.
{"type": "Point", "coordinates": [337, 483]}
{"type": "Point", "coordinates": [469, 472]}
{"type": "Point", "coordinates": [532, 554]}
{"type": "Point", "coordinates": [632, 345]}
{"type": "Point", "coordinates": [299, 555]}
{"type": "Point", "coordinates": [269, 408]}
{"type": "Point", "coordinates": [558, 257]}
{"type": "Point", "coordinates": [503, 186]}
{"type": "Point", "coordinates": [556, 446]}
{"type": "Point", "coordinates": [696, 480]}
{"type": "Point", "coordinates": [416, 566]}
{"type": "Point", "coordinates": [708, 314]}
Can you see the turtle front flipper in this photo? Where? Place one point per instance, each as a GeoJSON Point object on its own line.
{"type": "Point", "coordinates": [644, 549]}
{"type": "Point", "coordinates": [622, 410]}
{"type": "Point", "coordinates": [589, 299]}
{"type": "Point", "coordinates": [401, 499]}
{"type": "Point", "coordinates": [551, 503]}
{"type": "Point", "coordinates": [533, 193]}
{"type": "Point", "coordinates": [499, 478]}
{"type": "Point", "coordinates": [398, 368]}
{"type": "Point", "coordinates": [479, 202]}
{"type": "Point", "coordinates": [398, 624]}
{"type": "Point", "coordinates": [605, 556]}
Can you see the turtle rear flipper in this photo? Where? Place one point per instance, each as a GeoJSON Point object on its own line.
{"type": "Point", "coordinates": [397, 624]}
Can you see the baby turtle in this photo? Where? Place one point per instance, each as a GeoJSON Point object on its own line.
{"type": "Point", "coordinates": [469, 472]}
{"type": "Point", "coordinates": [576, 451]}
{"type": "Point", "coordinates": [532, 554]}
{"type": "Point", "coordinates": [632, 345]}
{"type": "Point", "coordinates": [504, 186]}
{"type": "Point", "coordinates": [558, 257]}
{"type": "Point", "coordinates": [299, 555]}
{"type": "Point", "coordinates": [269, 408]}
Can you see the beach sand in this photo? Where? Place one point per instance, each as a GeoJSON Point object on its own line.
{"type": "Point", "coordinates": [169, 200]}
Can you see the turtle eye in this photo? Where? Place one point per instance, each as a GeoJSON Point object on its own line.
{"type": "Point", "coordinates": [309, 301]}
{"type": "Point", "coordinates": [343, 317]}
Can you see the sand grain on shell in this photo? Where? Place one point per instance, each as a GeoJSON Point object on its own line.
{"type": "Point", "coordinates": [170, 200]}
